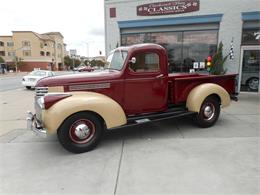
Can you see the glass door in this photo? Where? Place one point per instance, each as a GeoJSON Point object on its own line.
{"type": "Point", "coordinates": [249, 77]}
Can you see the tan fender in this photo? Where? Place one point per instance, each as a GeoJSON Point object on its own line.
{"type": "Point", "coordinates": [199, 94]}
{"type": "Point", "coordinates": [108, 109]}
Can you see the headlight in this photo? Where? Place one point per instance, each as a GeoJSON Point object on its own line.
{"type": "Point", "coordinates": [40, 102]}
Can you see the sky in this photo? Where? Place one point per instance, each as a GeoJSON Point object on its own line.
{"type": "Point", "coordinates": [81, 22]}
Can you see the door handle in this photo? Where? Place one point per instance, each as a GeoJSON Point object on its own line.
{"type": "Point", "coordinates": [160, 76]}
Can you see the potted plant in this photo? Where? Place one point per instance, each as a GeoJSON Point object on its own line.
{"type": "Point", "coordinates": [218, 61]}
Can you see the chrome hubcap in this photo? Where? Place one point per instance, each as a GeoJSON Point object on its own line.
{"type": "Point", "coordinates": [253, 84]}
{"type": "Point", "coordinates": [209, 111]}
{"type": "Point", "coordinates": [82, 131]}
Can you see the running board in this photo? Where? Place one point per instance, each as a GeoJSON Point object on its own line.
{"type": "Point", "coordinates": [147, 118]}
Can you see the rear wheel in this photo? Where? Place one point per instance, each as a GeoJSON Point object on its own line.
{"type": "Point", "coordinates": [253, 83]}
{"type": "Point", "coordinates": [28, 87]}
{"type": "Point", "coordinates": [209, 112]}
{"type": "Point", "coordinates": [80, 132]}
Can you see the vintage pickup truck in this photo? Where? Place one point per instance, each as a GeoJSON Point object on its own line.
{"type": "Point", "coordinates": [135, 88]}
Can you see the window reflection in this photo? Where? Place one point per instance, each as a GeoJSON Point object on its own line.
{"type": "Point", "coordinates": [183, 48]}
{"type": "Point", "coordinates": [250, 70]}
{"type": "Point", "coordinates": [251, 36]}
{"type": "Point", "coordinates": [146, 62]}
{"type": "Point", "coordinates": [197, 46]}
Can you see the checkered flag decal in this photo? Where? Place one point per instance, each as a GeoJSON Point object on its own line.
{"type": "Point", "coordinates": [231, 51]}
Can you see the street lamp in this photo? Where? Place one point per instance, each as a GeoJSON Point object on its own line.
{"type": "Point", "coordinates": [87, 45]}
{"type": "Point", "coordinates": [52, 63]}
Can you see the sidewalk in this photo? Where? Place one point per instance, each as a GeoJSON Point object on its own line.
{"type": "Point", "coordinates": [161, 158]}
{"type": "Point", "coordinates": [13, 74]}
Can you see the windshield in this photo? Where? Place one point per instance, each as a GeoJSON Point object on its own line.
{"type": "Point", "coordinates": [116, 59]}
{"type": "Point", "coordinates": [38, 73]}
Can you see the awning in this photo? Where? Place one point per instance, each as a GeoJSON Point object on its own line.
{"type": "Point", "coordinates": [214, 18]}
{"type": "Point", "coordinates": [249, 16]}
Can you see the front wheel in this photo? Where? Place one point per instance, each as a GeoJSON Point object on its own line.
{"type": "Point", "coordinates": [28, 87]}
{"type": "Point", "coordinates": [209, 112]}
{"type": "Point", "coordinates": [81, 132]}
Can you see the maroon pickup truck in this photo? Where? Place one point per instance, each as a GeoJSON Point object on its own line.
{"type": "Point", "coordinates": [135, 88]}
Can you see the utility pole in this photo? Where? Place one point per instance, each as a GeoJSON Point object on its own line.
{"type": "Point", "coordinates": [87, 45]}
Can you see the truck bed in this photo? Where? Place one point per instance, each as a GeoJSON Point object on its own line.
{"type": "Point", "coordinates": [181, 84]}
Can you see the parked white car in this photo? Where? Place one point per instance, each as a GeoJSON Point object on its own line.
{"type": "Point", "coordinates": [30, 80]}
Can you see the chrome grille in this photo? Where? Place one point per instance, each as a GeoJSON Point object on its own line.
{"type": "Point", "coordinates": [41, 91]}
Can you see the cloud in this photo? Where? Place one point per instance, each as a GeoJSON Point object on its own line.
{"type": "Point", "coordinates": [97, 32]}
{"type": "Point", "coordinates": [77, 20]}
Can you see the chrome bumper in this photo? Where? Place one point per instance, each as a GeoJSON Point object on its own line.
{"type": "Point", "coordinates": [34, 125]}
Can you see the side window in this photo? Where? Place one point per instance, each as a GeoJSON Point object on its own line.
{"type": "Point", "coordinates": [50, 74]}
{"type": "Point", "coordinates": [146, 62]}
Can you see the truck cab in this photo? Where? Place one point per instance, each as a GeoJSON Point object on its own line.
{"type": "Point", "coordinates": [145, 79]}
{"type": "Point", "coordinates": [134, 88]}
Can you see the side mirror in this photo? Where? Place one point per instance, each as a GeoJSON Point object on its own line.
{"type": "Point", "coordinates": [133, 60]}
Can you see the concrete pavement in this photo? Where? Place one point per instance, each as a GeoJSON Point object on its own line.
{"type": "Point", "coordinates": [12, 81]}
{"type": "Point", "coordinates": [13, 107]}
{"type": "Point", "coordinates": [168, 157]}
{"type": "Point", "coordinates": [19, 74]}
{"type": "Point", "coordinates": [13, 74]}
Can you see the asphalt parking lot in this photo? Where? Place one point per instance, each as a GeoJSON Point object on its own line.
{"type": "Point", "coordinates": [167, 157]}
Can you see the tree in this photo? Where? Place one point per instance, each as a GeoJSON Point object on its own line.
{"type": "Point", "coordinates": [20, 62]}
{"type": "Point", "coordinates": [16, 63]}
{"type": "Point", "coordinates": [67, 62]}
{"type": "Point", "coordinates": [77, 62]}
{"type": "Point", "coordinates": [97, 63]}
{"type": "Point", "coordinates": [70, 62]}
{"type": "Point", "coordinates": [1, 60]}
{"type": "Point", "coordinates": [218, 61]}
{"type": "Point", "coordinates": [87, 62]}
{"type": "Point", "coordinates": [2, 66]}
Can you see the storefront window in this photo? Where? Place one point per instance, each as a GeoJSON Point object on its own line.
{"type": "Point", "coordinates": [184, 48]}
{"type": "Point", "coordinates": [172, 41]}
{"type": "Point", "coordinates": [197, 46]}
{"type": "Point", "coordinates": [251, 37]}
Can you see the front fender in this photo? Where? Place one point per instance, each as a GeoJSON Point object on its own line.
{"type": "Point", "coordinates": [104, 106]}
{"type": "Point", "coordinates": [201, 92]}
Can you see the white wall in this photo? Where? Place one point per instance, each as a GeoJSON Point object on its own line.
{"type": "Point", "coordinates": [230, 26]}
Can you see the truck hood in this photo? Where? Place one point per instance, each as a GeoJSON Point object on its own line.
{"type": "Point", "coordinates": [96, 76]}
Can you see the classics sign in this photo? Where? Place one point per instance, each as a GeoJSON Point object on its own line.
{"type": "Point", "coordinates": [169, 7]}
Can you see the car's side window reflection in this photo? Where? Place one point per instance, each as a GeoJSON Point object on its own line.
{"type": "Point", "coordinates": [145, 62]}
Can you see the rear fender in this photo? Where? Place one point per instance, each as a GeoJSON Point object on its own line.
{"type": "Point", "coordinates": [201, 92]}
{"type": "Point", "coordinates": [108, 109]}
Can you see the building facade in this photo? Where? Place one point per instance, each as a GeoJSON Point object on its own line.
{"type": "Point", "coordinates": [191, 30]}
{"type": "Point", "coordinates": [33, 50]}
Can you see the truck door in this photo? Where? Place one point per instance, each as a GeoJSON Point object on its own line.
{"type": "Point", "coordinates": [146, 87]}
